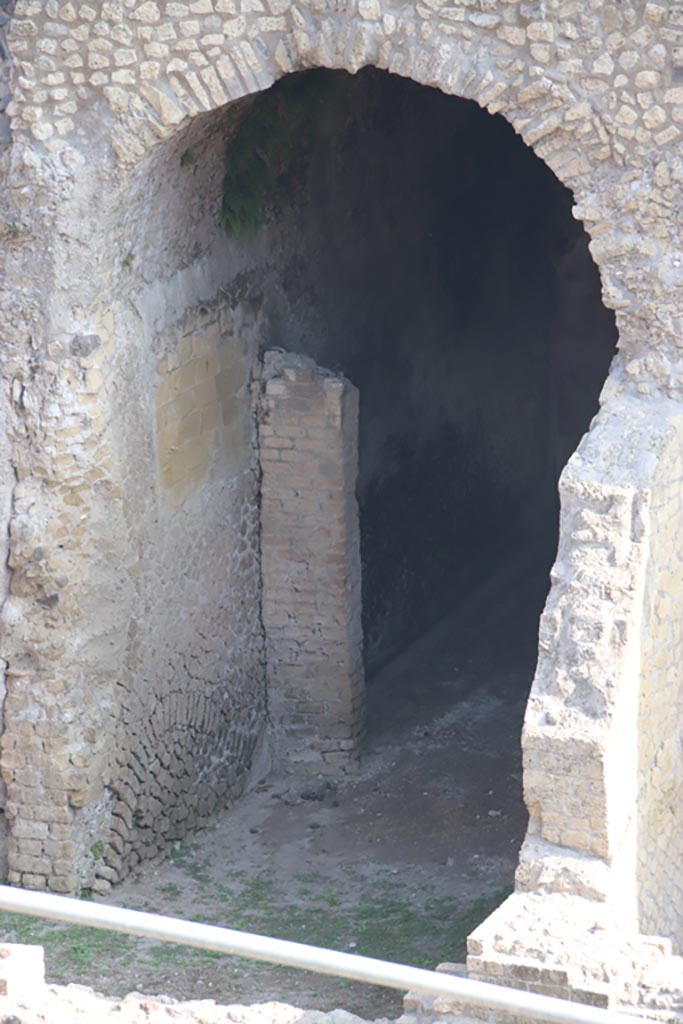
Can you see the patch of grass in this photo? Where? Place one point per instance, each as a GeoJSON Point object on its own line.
{"type": "Point", "coordinates": [69, 949]}
{"type": "Point", "coordinates": [169, 889]}
{"type": "Point", "coordinates": [184, 856]}
{"type": "Point", "coordinates": [256, 892]}
{"type": "Point", "coordinates": [179, 852]}
{"type": "Point", "coordinates": [13, 232]}
{"type": "Point", "coordinates": [384, 918]}
{"type": "Point", "coordinates": [478, 912]}
{"type": "Point", "coordinates": [309, 876]}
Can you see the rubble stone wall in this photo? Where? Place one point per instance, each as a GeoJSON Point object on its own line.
{"type": "Point", "coordinates": [611, 105]}
{"type": "Point", "coordinates": [100, 261]}
{"type": "Point", "coordinates": [154, 701]}
{"type": "Point", "coordinates": [6, 8]}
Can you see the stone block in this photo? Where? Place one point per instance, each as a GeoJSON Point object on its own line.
{"type": "Point", "coordinates": [22, 972]}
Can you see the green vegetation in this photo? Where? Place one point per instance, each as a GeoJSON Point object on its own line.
{"type": "Point", "coordinates": [180, 852]}
{"type": "Point", "coordinates": [13, 232]}
{"type": "Point", "coordinates": [276, 125]}
{"type": "Point", "coordinates": [383, 918]}
{"type": "Point", "coordinates": [169, 889]}
{"type": "Point", "coordinates": [70, 951]}
{"type": "Point", "coordinates": [181, 855]}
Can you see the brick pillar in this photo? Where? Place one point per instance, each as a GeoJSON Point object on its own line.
{"type": "Point", "coordinates": [310, 550]}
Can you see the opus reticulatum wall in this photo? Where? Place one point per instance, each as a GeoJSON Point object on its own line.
{"type": "Point", "coordinates": [129, 366]}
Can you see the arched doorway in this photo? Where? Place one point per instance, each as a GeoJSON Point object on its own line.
{"type": "Point", "coordinates": [123, 751]}
{"type": "Point", "coordinates": [419, 248]}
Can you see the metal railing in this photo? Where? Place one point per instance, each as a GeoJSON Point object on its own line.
{"type": "Point", "coordinates": [309, 958]}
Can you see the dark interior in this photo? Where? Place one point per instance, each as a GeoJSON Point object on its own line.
{"type": "Point", "coordinates": [418, 245]}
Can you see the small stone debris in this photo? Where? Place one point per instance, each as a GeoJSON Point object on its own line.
{"type": "Point", "coordinates": [75, 1004]}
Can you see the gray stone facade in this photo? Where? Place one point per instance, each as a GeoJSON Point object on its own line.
{"type": "Point", "coordinates": [135, 683]}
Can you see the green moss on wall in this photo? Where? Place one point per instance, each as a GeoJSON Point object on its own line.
{"type": "Point", "coordinates": [275, 130]}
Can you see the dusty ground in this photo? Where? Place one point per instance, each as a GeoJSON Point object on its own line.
{"type": "Point", "coordinates": [400, 862]}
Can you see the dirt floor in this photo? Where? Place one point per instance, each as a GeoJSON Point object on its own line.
{"type": "Point", "coordinates": [399, 862]}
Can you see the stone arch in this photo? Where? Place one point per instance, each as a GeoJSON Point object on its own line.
{"type": "Point", "coordinates": [502, 58]}
{"type": "Point", "coordinates": [148, 161]}
{"type": "Point", "coordinates": [607, 126]}
{"type": "Point", "coordinates": [481, 58]}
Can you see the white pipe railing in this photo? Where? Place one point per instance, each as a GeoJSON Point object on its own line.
{"type": "Point", "coordinates": [309, 958]}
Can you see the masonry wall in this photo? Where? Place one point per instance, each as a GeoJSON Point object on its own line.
{"type": "Point", "coordinates": [310, 564]}
{"type": "Point", "coordinates": [106, 97]}
{"type": "Point", "coordinates": [6, 9]}
{"type": "Point", "coordinates": [595, 893]}
{"type": "Point", "coordinates": [660, 749]}
{"type": "Point", "coordinates": [162, 719]}
{"type": "Point", "coordinates": [570, 749]}
{"type": "Point", "coordinates": [191, 695]}
{"type": "Point", "coordinates": [411, 322]}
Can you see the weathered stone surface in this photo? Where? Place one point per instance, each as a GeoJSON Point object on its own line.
{"type": "Point", "coordinates": [25, 996]}
{"type": "Point", "coordinates": [134, 693]}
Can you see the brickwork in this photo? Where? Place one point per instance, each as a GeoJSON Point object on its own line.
{"type": "Point", "coordinates": [575, 950]}
{"type": "Point", "coordinates": [108, 768]}
{"type": "Point", "coordinates": [310, 563]}
{"type": "Point", "coordinates": [131, 611]}
{"type": "Point", "coordinates": [190, 718]}
{"type": "Point", "coordinates": [48, 772]}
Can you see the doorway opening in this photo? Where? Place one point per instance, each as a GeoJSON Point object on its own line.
{"type": "Point", "coordinates": [420, 249]}
{"type": "Point", "coordinates": [409, 243]}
